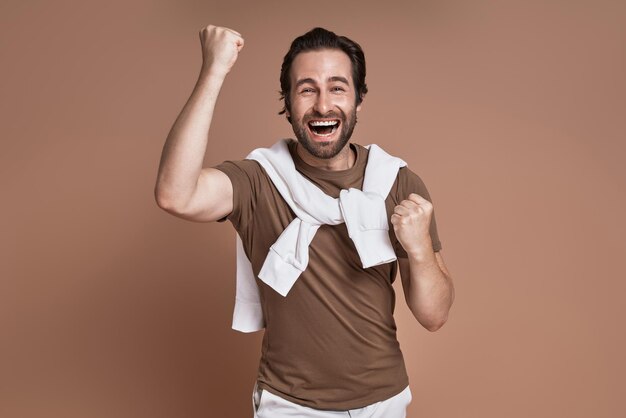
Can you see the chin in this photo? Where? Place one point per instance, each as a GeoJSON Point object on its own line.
{"type": "Point", "coordinates": [323, 149]}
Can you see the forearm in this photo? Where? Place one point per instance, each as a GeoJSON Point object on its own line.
{"type": "Point", "coordinates": [186, 143]}
{"type": "Point", "coordinates": [430, 292]}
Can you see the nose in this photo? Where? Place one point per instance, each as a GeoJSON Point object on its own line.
{"type": "Point", "coordinates": [323, 103]}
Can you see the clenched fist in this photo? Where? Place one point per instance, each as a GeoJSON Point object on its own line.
{"type": "Point", "coordinates": [411, 223]}
{"type": "Point", "coordinates": [220, 48]}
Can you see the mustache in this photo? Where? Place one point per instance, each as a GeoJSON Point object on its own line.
{"type": "Point", "coordinates": [329, 115]}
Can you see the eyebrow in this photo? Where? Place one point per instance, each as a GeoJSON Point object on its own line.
{"type": "Point", "coordinates": [330, 80]}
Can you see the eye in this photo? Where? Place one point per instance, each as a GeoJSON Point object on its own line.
{"type": "Point", "coordinates": [338, 89]}
{"type": "Point", "coordinates": [306, 90]}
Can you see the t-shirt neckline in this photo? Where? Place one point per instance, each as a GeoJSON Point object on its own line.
{"type": "Point", "coordinates": [308, 169]}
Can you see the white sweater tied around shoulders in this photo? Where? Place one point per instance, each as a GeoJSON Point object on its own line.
{"type": "Point", "coordinates": [363, 211]}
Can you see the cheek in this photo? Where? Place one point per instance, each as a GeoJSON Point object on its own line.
{"type": "Point", "coordinates": [346, 102]}
{"type": "Point", "coordinates": [299, 108]}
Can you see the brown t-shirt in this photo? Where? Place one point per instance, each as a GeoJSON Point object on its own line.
{"type": "Point", "coordinates": [331, 342]}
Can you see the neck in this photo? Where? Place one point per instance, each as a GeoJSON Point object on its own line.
{"type": "Point", "coordinates": [342, 161]}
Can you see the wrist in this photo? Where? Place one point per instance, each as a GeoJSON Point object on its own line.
{"type": "Point", "coordinates": [209, 82]}
{"type": "Point", "coordinates": [423, 252]}
{"type": "Point", "coordinates": [213, 72]}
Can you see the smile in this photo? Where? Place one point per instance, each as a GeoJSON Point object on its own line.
{"type": "Point", "coordinates": [324, 128]}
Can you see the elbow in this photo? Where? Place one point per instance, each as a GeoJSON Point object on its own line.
{"type": "Point", "coordinates": [434, 324]}
{"type": "Point", "coordinates": [165, 202]}
{"type": "Point", "coordinates": [434, 319]}
{"type": "Point", "coordinates": [161, 199]}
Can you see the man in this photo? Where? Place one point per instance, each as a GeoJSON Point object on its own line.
{"type": "Point", "coordinates": [330, 346]}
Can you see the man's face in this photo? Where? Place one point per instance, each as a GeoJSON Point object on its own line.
{"type": "Point", "coordinates": [323, 98]}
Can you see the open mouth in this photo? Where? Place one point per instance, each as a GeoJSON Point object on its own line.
{"type": "Point", "coordinates": [324, 127]}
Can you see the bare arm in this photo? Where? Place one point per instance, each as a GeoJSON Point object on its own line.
{"type": "Point", "coordinates": [183, 187]}
{"type": "Point", "coordinates": [427, 284]}
{"type": "Point", "coordinates": [428, 289]}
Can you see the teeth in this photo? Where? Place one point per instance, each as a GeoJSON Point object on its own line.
{"type": "Point", "coordinates": [324, 123]}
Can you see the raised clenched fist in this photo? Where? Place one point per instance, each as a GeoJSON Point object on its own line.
{"type": "Point", "coordinates": [411, 223]}
{"type": "Point", "coordinates": [220, 48]}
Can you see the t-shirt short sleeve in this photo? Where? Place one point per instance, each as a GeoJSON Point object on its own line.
{"type": "Point", "coordinates": [409, 182]}
{"type": "Point", "coordinates": [245, 176]}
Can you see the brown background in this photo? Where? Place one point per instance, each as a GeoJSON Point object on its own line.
{"type": "Point", "coordinates": [511, 112]}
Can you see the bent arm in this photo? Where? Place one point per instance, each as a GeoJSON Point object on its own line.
{"type": "Point", "coordinates": [183, 187]}
{"type": "Point", "coordinates": [426, 282]}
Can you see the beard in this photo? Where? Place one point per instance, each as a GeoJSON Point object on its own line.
{"type": "Point", "coordinates": [325, 149]}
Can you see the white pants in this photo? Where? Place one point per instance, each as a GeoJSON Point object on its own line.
{"type": "Point", "coordinates": [267, 405]}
